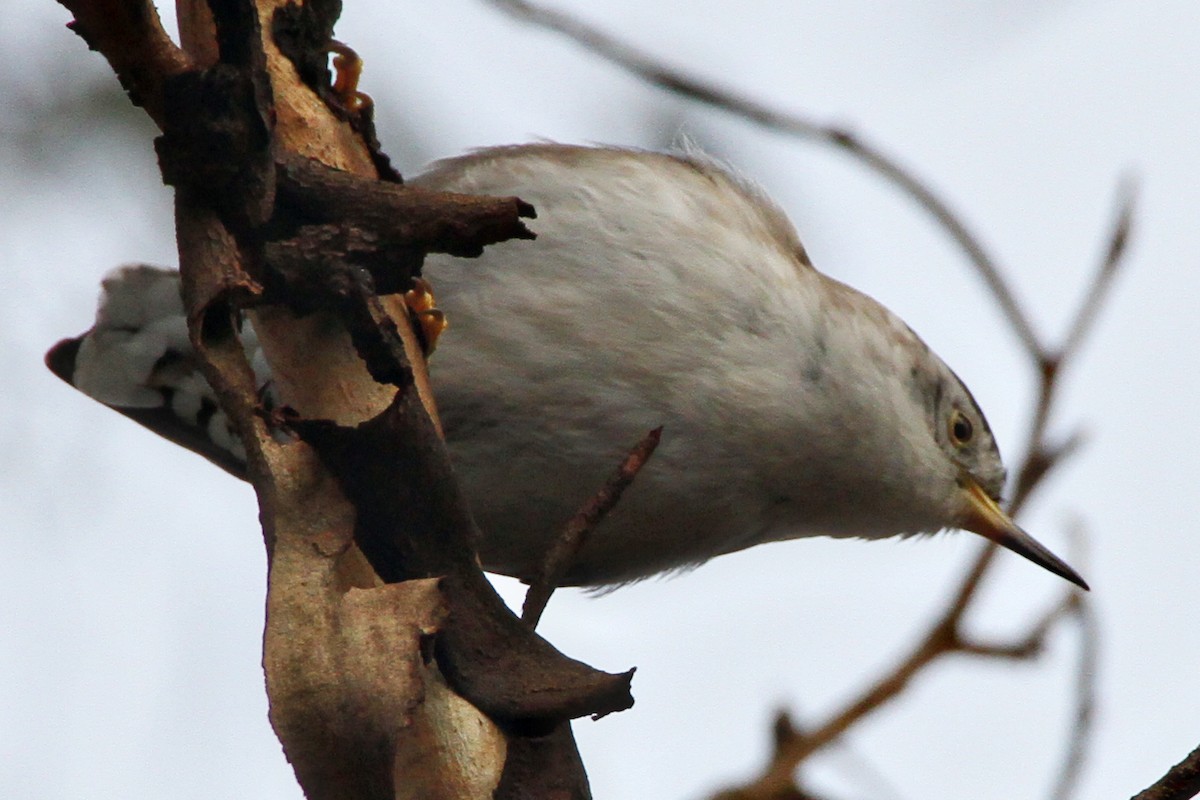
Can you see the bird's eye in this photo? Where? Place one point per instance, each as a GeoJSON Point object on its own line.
{"type": "Point", "coordinates": [961, 429]}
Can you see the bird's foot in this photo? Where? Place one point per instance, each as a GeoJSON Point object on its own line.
{"type": "Point", "coordinates": [430, 319]}
{"type": "Point", "coordinates": [347, 69]}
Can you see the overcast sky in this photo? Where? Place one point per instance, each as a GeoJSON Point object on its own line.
{"type": "Point", "coordinates": [132, 582]}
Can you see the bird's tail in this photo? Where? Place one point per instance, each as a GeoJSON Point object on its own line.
{"type": "Point", "coordinates": [137, 359]}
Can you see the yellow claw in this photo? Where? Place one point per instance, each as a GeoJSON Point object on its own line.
{"type": "Point", "coordinates": [347, 68]}
{"type": "Point", "coordinates": [430, 319]}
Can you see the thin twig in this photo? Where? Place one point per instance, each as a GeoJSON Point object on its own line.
{"type": "Point", "coordinates": [579, 528]}
{"type": "Point", "coordinates": [1085, 699]}
{"type": "Point", "coordinates": [1181, 782]}
{"type": "Point", "coordinates": [1114, 254]}
{"type": "Point", "coordinates": [1039, 456]}
{"type": "Point", "coordinates": [1039, 463]}
{"type": "Point", "coordinates": [130, 35]}
{"type": "Point", "coordinates": [793, 746]}
{"type": "Point", "coordinates": [1032, 643]}
{"type": "Point", "coordinates": [655, 72]}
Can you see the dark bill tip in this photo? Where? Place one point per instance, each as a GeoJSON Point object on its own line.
{"type": "Point", "coordinates": [988, 520]}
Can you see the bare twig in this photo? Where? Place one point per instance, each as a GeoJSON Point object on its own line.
{"type": "Point", "coordinates": [130, 35]}
{"type": "Point", "coordinates": [1029, 646]}
{"type": "Point", "coordinates": [1038, 463]}
{"type": "Point", "coordinates": [655, 72]}
{"type": "Point", "coordinates": [793, 746]}
{"type": "Point", "coordinates": [577, 530]}
{"type": "Point", "coordinates": [1085, 700]}
{"type": "Point", "coordinates": [1181, 782]}
{"type": "Point", "coordinates": [422, 688]}
{"type": "Point", "coordinates": [1118, 240]}
{"type": "Point", "coordinates": [1040, 457]}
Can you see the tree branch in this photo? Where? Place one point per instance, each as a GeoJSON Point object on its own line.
{"type": "Point", "coordinates": [130, 35]}
{"type": "Point", "coordinates": [1085, 701]}
{"type": "Point", "coordinates": [1101, 286]}
{"type": "Point", "coordinates": [363, 679]}
{"type": "Point", "coordinates": [1181, 782]}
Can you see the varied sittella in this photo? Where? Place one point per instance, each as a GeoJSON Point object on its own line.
{"type": "Point", "coordinates": [660, 291]}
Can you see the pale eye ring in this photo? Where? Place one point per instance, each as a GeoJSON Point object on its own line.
{"type": "Point", "coordinates": [960, 428]}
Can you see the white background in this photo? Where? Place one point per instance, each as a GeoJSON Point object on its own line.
{"type": "Point", "coordinates": [132, 575]}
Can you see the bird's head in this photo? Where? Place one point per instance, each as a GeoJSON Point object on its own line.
{"type": "Point", "coordinates": [907, 436]}
{"type": "Point", "coordinates": [961, 432]}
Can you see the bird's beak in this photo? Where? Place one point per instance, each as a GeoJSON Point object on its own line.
{"type": "Point", "coordinates": [989, 521]}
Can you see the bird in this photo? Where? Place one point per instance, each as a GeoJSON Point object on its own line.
{"type": "Point", "coordinates": [662, 289]}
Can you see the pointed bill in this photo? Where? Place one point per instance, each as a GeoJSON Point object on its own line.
{"type": "Point", "coordinates": [989, 521]}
